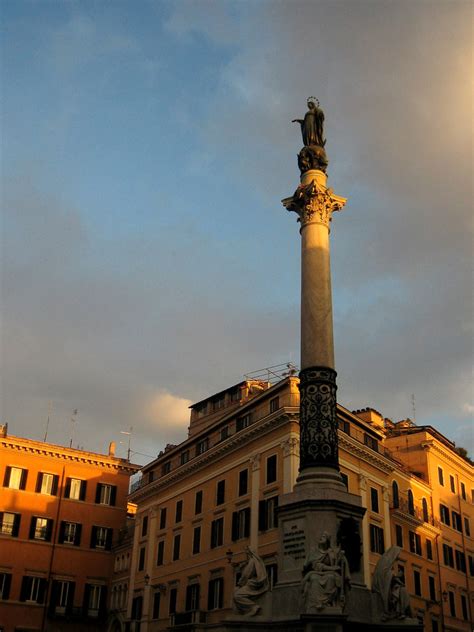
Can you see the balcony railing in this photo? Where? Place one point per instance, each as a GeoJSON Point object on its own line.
{"type": "Point", "coordinates": [186, 618]}
{"type": "Point", "coordinates": [406, 508]}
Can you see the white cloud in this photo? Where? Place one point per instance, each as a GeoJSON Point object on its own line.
{"type": "Point", "coordinates": [166, 413]}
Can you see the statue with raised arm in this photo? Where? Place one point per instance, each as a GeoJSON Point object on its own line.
{"type": "Point", "coordinates": [252, 584]}
{"type": "Point", "coordinates": [390, 587]}
{"type": "Point", "coordinates": [326, 577]}
{"type": "Point", "coordinates": [313, 154]}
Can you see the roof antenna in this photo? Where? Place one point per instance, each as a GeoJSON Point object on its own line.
{"type": "Point", "coordinates": [413, 407]}
{"type": "Point", "coordinates": [50, 410]}
{"type": "Point", "coordinates": [73, 425]}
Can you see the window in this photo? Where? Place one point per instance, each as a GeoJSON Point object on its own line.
{"type": "Point", "coordinates": [452, 603]}
{"type": "Point", "coordinates": [137, 608]}
{"type": "Point", "coordinates": [105, 494]}
{"type": "Point", "coordinates": [243, 482]}
{"type": "Point", "coordinates": [434, 625]}
{"type": "Point", "coordinates": [470, 559]}
{"type": "Point", "coordinates": [432, 587]}
{"type": "Point", "coordinates": [424, 507]}
{"type": "Point", "coordinates": [219, 402]}
{"type": "Point", "coordinates": [465, 615]}
{"type": "Point", "coordinates": [176, 546]}
{"type": "Point", "coordinates": [345, 480]}
{"type": "Point", "coordinates": [198, 503]}
{"type": "Point", "coordinates": [272, 574]}
{"type": "Point", "coordinates": [156, 605]}
{"type": "Point", "coordinates": [345, 426]}
{"type": "Point", "coordinates": [179, 511]}
{"type": "Point", "coordinates": [217, 533]}
{"type": "Point", "coordinates": [376, 539]}
{"type": "Point", "coordinates": [166, 468]}
{"type": "Point", "coordinates": [440, 476]}
{"type": "Point", "coordinates": [241, 524]}
{"type": "Point", "coordinates": [411, 503]}
{"type": "Point", "coordinates": [141, 559]}
{"type": "Point", "coordinates": [101, 538]}
{"type": "Point", "coordinates": [395, 495]}
{"type": "Point", "coordinates": [15, 477]}
{"type": "Point", "coordinates": [220, 495]}
{"type": "Point", "coordinates": [374, 500]}
{"type": "Point", "coordinates": [274, 404]}
{"type": "Point", "coordinates": [173, 600]}
{"type": "Point", "coordinates": [62, 594]}
{"type": "Point", "coordinates": [267, 513]}
{"type": "Point", "coordinates": [33, 589]}
{"type": "Point", "coordinates": [202, 446]}
{"type": "Point", "coordinates": [47, 484]}
{"type": "Point", "coordinates": [444, 514]}
{"type": "Point", "coordinates": [235, 395]}
{"type": "Point", "coordinates": [196, 540]}
{"type": "Point", "coordinates": [94, 599]}
{"type": "Point", "coordinates": [184, 458]}
{"type": "Point", "coordinates": [215, 594]}
{"type": "Point", "coordinates": [452, 484]}
{"type": "Point", "coordinates": [5, 583]}
{"type": "Point", "coordinates": [399, 535]}
{"type": "Point", "coordinates": [243, 422]}
{"type": "Point", "coordinates": [271, 469]}
{"type": "Point", "coordinates": [192, 597]}
{"type": "Point", "coordinates": [224, 433]}
{"type": "Point", "coordinates": [161, 553]}
{"type": "Point", "coordinates": [463, 491]}
{"type": "Point", "coordinates": [457, 523]}
{"type": "Point", "coordinates": [429, 549]}
{"type": "Point", "coordinates": [144, 526]}
{"type": "Point", "coordinates": [75, 489]}
{"type": "Point", "coordinates": [163, 518]}
{"type": "Point", "coordinates": [448, 555]}
{"type": "Point", "coordinates": [460, 561]}
{"type": "Point", "coordinates": [10, 523]}
{"type": "Point", "coordinates": [467, 527]}
{"type": "Point", "coordinates": [371, 442]}
{"type": "Point", "coordinates": [70, 533]}
{"type": "Point", "coordinates": [415, 542]}
{"type": "Point", "coordinates": [201, 410]}
{"type": "Point", "coordinates": [41, 529]}
{"type": "Point", "coordinates": [417, 583]}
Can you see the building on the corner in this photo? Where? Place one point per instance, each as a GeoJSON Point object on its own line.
{"type": "Point", "coordinates": [200, 503]}
{"type": "Point", "coordinates": [61, 510]}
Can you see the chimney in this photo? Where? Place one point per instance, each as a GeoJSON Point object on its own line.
{"type": "Point", "coordinates": [112, 447]}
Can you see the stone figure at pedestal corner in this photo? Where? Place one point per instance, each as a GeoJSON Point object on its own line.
{"type": "Point", "coordinates": [390, 587]}
{"type": "Point", "coordinates": [326, 577]}
{"type": "Point", "coordinates": [252, 584]}
{"type": "Point", "coordinates": [313, 154]}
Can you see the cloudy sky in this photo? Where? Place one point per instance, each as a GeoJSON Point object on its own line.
{"type": "Point", "coordinates": [147, 261]}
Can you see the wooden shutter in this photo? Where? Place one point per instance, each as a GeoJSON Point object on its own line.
{"type": "Point", "coordinates": [39, 482]}
{"type": "Point", "coordinates": [93, 537]}
{"type": "Point", "coordinates": [32, 528]}
{"type": "Point", "coordinates": [113, 495]}
{"type": "Point", "coordinates": [108, 539]}
{"type": "Point", "coordinates": [43, 585]}
{"type": "Point", "coordinates": [103, 602]}
{"type": "Point", "coordinates": [85, 602]}
{"type": "Point", "coordinates": [53, 598]}
{"type": "Point", "coordinates": [6, 586]}
{"type": "Point", "coordinates": [82, 494]}
{"type": "Point", "coordinates": [62, 529]}
{"type": "Point", "coordinates": [235, 526]}
{"type": "Point", "coordinates": [24, 477]}
{"type": "Point", "coordinates": [77, 536]}
{"type": "Point", "coordinates": [67, 489]}
{"type": "Point", "coordinates": [275, 511]}
{"type": "Point", "coordinates": [54, 489]}
{"type": "Point", "coordinates": [247, 522]}
{"type": "Point", "coordinates": [210, 594]}
{"type": "Point", "coordinates": [16, 525]}
{"type": "Point", "coordinates": [49, 529]}
{"type": "Point", "coordinates": [262, 515]}
{"type": "Point", "coordinates": [97, 492]}
{"type": "Point", "coordinates": [25, 587]}
{"type": "Point", "coordinates": [6, 478]}
{"type": "Point", "coordinates": [70, 597]}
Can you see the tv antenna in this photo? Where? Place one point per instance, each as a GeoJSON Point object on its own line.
{"type": "Point", "coordinates": [413, 407]}
{"type": "Point", "coordinates": [50, 410]}
{"type": "Point", "coordinates": [129, 434]}
{"type": "Point", "coordinates": [73, 425]}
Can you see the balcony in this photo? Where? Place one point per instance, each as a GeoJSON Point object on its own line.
{"type": "Point", "coordinates": [416, 513]}
{"type": "Point", "coordinates": [187, 618]}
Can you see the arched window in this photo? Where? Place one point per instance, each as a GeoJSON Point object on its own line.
{"type": "Point", "coordinates": [426, 516]}
{"type": "Point", "coordinates": [396, 498]}
{"type": "Point", "coordinates": [411, 503]}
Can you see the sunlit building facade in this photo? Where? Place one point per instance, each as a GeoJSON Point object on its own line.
{"type": "Point", "coordinates": [61, 511]}
{"type": "Point", "coordinates": [200, 503]}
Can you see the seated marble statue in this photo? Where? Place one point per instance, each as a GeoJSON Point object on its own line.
{"type": "Point", "coordinates": [390, 587]}
{"type": "Point", "coordinates": [252, 584]}
{"type": "Point", "coordinates": [326, 577]}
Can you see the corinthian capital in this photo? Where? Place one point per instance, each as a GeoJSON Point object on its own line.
{"type": "Point", "coordinates": [314, 203]}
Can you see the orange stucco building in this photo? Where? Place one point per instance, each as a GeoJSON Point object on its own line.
{"type": "Point", "coordinates": [61, 510]}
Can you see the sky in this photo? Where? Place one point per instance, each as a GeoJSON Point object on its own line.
{"type": "Point", "coordinates": [147, 261]}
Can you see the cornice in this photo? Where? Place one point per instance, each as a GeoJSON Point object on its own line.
{"type": "Point", "coordinates": [86, 458]}
{"type": "Point", "coordinates": [236, 441]}
{"type": "Point", "coordinates": [366, 454]}
{"type": "Point", "coordinates": [414, 521]}
{"type": "Point", "coordinates": [432, 444]}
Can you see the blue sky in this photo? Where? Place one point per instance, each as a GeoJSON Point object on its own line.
{"type": "Point", "coordinates": [147, 260]}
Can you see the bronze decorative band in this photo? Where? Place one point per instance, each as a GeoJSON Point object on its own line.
{"type": "Point", "coordinates": [318, 418]}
